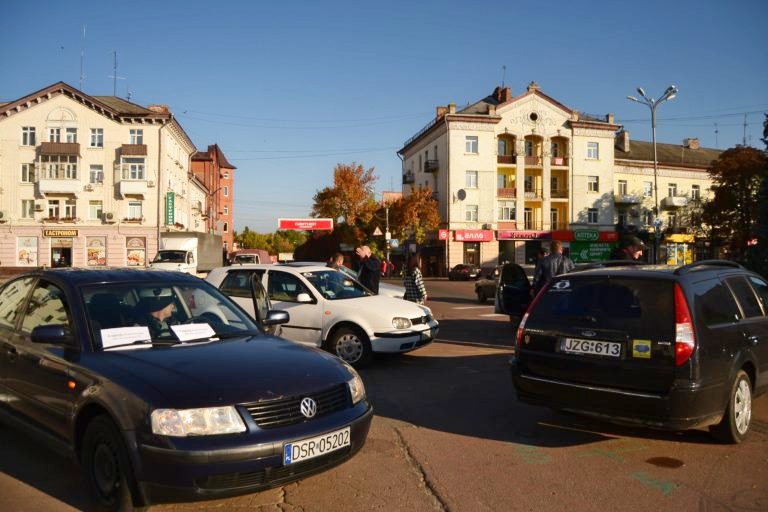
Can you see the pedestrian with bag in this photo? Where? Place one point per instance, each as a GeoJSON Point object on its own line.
{"type": "Point", "coordinates": [415, 291]}
{"type": "Point", "coordinates": [553, 265]}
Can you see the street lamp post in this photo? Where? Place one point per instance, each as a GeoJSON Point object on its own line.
{"type": "Point", "coordinates": [651, 103]}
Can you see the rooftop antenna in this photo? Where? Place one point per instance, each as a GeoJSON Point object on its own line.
{"type": "Point", "coordinates": [82, 58]}
{"type": "Point", "coordinates": [717, 146]}
{"type": "Point", "coordinates": [114, 76]}
{"type": "Point", "coordinates": [503, 75]}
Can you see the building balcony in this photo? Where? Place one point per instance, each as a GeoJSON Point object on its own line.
{"type": "Point", "coordinates": [506, 192]}
{"type": "Point", "coordinates": [431, 166]}
{"type": "Point", "coordinates": [408, 177]}
{"type": "Point", "coordinates": [533, 193]}
{"type": "Point", "coordinates": [627, 199]}
{"type": "Point", "coordinates": [558, 226]}
{"type": "Point", "coordinates": [559, 193]}
{"type": "Point", "coordinates": [533, 161]}
{"type": "Point", "coordinates": [47, 186]}
{"type": "Point", "coordinates": [132, 188]}
{"type": "Point", "coordinates": [531, 225]}
{"type": "Point", "coordinates": [672, 202]}
{"type": "Point", "coordinates": [507, 159]}
{"type": "Point", "coordinates": [559, 161]}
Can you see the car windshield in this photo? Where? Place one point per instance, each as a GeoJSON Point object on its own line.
{"type": "Point", "coordinates": [348, 271]}
{"type": "Point", "coordinates": [335, 285]}
{"type": "Point", "coordinates": [121, 314]}
{"type": "Point", "coordinates": [170, 257]}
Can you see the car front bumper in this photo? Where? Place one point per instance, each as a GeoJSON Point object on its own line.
{"type": "Point", "coordinates": [404, 341]}
{"type": "Point", "coordinates": [199, 472]}
{"type": "Point", "coordinates": [683, 407]}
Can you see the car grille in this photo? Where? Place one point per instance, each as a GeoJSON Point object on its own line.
{"type": "Point", "coordinates": [421, 320]}
{"type": "Point", "coordinates": [270, 476]}
{"type": "Point", "coordinates": [287, 411]}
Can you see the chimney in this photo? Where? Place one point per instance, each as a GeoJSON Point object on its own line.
{"type": "Point", "coordinates": [610, 118]}
{"type": "Point", "coordinates": [158, 109]}
{"type": "Point", "coordinates": [506, 95]}
{"type": "Point", "coordinates": [497, 94]}
{"type": "Point", "coordinates": [440, 111]}
{"type": "Point", "coordinates": [692, 143]}
{"type": "Point", "coordinates": [451, 108]}
{"type": "Point", "coordinates": [533, 86]}
{"type": "Point", "coordinates": [622, 141]}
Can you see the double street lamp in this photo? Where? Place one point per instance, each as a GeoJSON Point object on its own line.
{"type": "Point", "coordinates": [651, 103]}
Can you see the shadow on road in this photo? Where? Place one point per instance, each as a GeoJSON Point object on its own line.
{"type": "Point", "coordinates": [473, 396]}
{"type": "Point", "coordinates": [493, 332]}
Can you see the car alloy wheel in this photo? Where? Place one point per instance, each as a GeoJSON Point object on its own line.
{"type": "Point", "coordinates": [734, 426]}
{"type": "Point", "coordinates": [742, 407]}
{"type": "Point", "coordinates": [352, 346]}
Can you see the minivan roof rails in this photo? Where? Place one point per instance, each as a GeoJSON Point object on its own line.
{"type": "Point", "coordinates": [706, 263]}
{"type": "Point", "coordinates": [608, 263]}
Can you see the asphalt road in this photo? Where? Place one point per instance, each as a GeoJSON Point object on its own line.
{"type": "Point", "coordinates": [449, 435]}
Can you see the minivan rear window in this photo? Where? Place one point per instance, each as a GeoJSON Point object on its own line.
{"type": "Point", "coordinates": [626, 304]}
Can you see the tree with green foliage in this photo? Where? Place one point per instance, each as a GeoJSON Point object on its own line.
{"type": "Point", "coordinates": [757, 255]}
{"type": "Point", "coordinates": [414, 215]}
{"type": "Point", "coordinates": [736, 179]}
{"type": "Point", "coordinates": [274, 243]}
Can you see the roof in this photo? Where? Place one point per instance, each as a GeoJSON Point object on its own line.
{"type": "Point", "coordinates": [223, 162]}
{"type": "Point", "coordinates": [124, 107]}
{"type": "Point", "coordinates": [668, 154]}
{"type": "Point", "coordinates": [86, 276]}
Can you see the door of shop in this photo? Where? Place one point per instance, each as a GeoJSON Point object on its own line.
{"type": "Point", "coordinates": [61, 252]}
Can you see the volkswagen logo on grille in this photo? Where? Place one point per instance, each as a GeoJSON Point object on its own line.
{"type": "Point", "coordinates": [588, 333]}
{"type": "Point", "coordinates": [308, 407]}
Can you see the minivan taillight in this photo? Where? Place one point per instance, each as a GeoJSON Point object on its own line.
{"type": "Point", "coordinates": [528, 311]}
{"type": "Point", "coordinates": [685, 339]}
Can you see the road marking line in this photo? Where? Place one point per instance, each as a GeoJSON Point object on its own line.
{"type": "Point", "coordinates": [493, 314]}
{"type": "Point", "coordinates": [471, 307]}
{"type": "Point", "coordinates": [474, 344]}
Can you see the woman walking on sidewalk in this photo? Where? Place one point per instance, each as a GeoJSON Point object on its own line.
{"type": "Point", "coordinates": [415, 291]}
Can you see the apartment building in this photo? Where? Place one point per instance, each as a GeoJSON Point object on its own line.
{"type": "Point", "coordinates": [212, 169]}
{"type": "Point", "coordinates": [511, 173]}
{"type": "Point", "coordinates": [91, 181]}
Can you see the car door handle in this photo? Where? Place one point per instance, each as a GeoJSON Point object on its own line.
{"type": "Point", "coordinates": [750, 338]}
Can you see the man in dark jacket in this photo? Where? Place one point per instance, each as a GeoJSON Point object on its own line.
{"type": "Point", "coordinates": [369, 272]}
{"type": "Point", "coordinates": [553, 265]}
{"type": "Point", "coordinates": [632, 250]}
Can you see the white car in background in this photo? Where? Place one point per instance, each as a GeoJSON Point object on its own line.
{"type": "Point", "coordinates": [330, 310]}
{"type": "Point", "coordinates": [390, 290]}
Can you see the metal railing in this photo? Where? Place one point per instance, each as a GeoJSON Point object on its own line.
{"type": "Point", "coordinates": [506, 159]}
{"type": "Point", "coordinates": [431, 166]}
{"type": "Point", "coordinates": [408, 178]}
{"type": "Point", "coordinates": [559, 161]}
{"type": "Point", "coordinates": [533, 160]}
{"type": "Point", "coordinates": [506, 192]}
{"type": "Point", "coordinates": [559, 193]}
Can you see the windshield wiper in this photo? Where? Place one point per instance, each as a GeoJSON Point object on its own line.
{"type": "Point", "coordinates": [154, 343]}
{"type": "Point", "coordinates": [222, 336]}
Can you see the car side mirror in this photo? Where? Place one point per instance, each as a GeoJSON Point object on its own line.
{"type": "Point", "coordinates": [304, 298]}
{"type": "Point", "coordinates": [54, 334]}
{"type": "Point", "coordinates": [277, 317]}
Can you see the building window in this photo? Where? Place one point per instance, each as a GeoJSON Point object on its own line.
{"type": "Point", "coordinates": [226, 227]}
{"type": "Point", "coordinates": [226, 209]}
{"type": "Point", "coordinates": [27, 208]}
{"type": "Point", "coordinates": [593, 150]}
{"type": "Point", "coordinates": [622, 187]}
{"type": "Point", "coordinates": [53, 208]}
{"type": "Point", "coordinates": [470, 214]}
{"type": "Point", "coordinates": [71, 135]}
{"type": "Point", "coordinates": [97, 174]}
{"type": "Point", "coordinates": [54, 135]}
{"type": "Point", "coordinates": [555, 150]}
{"type": "Point", "coordinates": [70, 209]}
{"type": "Point", "coordinates": [648, 217]}
{"type": "Point", "coordinates": [528, 183]}
{"type": "Point", "coordinates": [672, 220]}
{"type": "Point", "coordinates": [506, 210]}
{"type": "Point", "coordinates": [592, 216]}
{"type": "Point", "coordinates": [528, 218]}
{"type": "Point", "coordinates": [137, 136]}
{"type": "Point", "coordinates": [672, 189]}
{"type": "Point", "coordinates": [623, 217]}
{"type": "Point", "coordinates": [226, 175]}
{"type": "Point", "coordinates": [226, 191]}
{"type": "Point", "coordinates": [28, 136]}
{"type": "Point", "coordinates": [134, 210]}
{"type": "Point", "coordinates": [434, 153]}
{"type": "Point", "coordinates": [553, 217]}
{"type": "Point", "coordinates": [470, 144]}
{"type": "Point", "coordinates": [554, 185]}
{"type": "Point", "coordinates": [95, 209]}
{"type": "Point", "coordinates": [133, 168]}
{"type": "Point", "coordinates": [27, 173]}
{"type": "Point", "coordinates": [471, 179]}
{"type": "Point", "coordinates": [593, 183]}
{"type": "Point", "coordinates": [420, 168]}
{"type": "Point", "coordinates": [502, 147]}
{"type": "Point", "coordinates": [695, 191]}
{"type": "Point", "coordinates": [59, 166]}
{"type": "Point", "coordinates": [97, 137]}
{"type": "Point", "coordinates": [528, 148]}
{"type": "Point", "coordinates": [647, 189]}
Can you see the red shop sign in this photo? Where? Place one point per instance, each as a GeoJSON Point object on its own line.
{"type": "Point", "coordinates": [473, 235]}
{"type": "Point", "coordinates": [523, 235]}
{"type": "Point", "coordinates": [305, 224]}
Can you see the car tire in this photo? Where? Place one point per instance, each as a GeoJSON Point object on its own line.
{"type": "Point", "coordinates": [352, 346]}
{"type": "Point", "coordinates": [106, 467]}
{"type": "Point", "coordinates": [734, 426]}
{"type": "Point", "coordinates": [481, 298]}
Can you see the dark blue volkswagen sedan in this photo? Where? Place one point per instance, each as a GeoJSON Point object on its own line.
{"type": "Point", "coordinates": [165, 390]}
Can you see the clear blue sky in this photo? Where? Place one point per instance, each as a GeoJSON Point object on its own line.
{"type": "Point", "coordinates": [290, 88]}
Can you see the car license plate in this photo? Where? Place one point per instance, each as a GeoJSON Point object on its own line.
{"type": "Point", "coordinates": [595, 347]}
{"type": "Point", "coordinates": [315, 446]}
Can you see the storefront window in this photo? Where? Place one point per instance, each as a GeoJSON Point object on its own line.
{"type": "Point", "coordinates": [471, 253]}
{"type": "Point", "coordinates": [136, 249]}
{"type": "Point", "coordinates": [97, 251]}
{"type": "Point", "coordinates": [26, 251]}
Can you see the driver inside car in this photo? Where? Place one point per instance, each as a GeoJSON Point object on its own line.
{"type": "Point", "coordinates": [156, 311]}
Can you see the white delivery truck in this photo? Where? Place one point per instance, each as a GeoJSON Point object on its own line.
{"type": "Point", "coordinates": [189, 252]}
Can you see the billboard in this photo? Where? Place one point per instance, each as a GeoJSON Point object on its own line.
{"type": "Point", "coordinates": [305, 224]}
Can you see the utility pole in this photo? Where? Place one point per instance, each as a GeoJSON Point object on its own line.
{"type": "Point", "coordinates": [744, 139]}
{"type": "Point", "coordinates": [387, 236]}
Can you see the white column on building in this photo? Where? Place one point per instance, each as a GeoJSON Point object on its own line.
{"type": "Point", "coordinates": [520, 184]}
{"type": "Point", "coordinates": [546, 203]}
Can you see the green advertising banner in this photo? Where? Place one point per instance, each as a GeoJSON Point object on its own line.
{"type": "Point", "coordinates": [170, 219]}
{"type": "Point", "coordinates": [583, 252]}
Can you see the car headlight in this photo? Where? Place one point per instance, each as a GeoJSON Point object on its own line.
{"type": "Point", "coordinates": [356, 388]}
{"type": "Point", "coordinates": [197, 422]}
{"type": "Point", "coordinates": [401, 323]}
